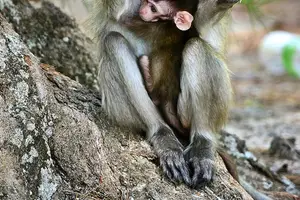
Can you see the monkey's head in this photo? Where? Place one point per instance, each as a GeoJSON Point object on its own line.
{"type": "Point", "coordinates": [154, 10]}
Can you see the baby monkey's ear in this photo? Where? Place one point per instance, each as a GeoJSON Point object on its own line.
{"type": "Point", "coordinates": [183, 20]}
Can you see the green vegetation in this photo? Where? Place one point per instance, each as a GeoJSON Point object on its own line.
{"type": "Point", "coordinates": [253, 6]}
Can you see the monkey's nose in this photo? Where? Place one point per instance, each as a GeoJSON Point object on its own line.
{"type": "Point", "coordinates": [143, 12]}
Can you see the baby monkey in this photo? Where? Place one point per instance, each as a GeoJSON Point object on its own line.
{"type": "Point", "coordinates": [162, 79]}
{"type": "Point", "coordinates": [176, 10]}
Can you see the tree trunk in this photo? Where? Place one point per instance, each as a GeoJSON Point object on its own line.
{"type": "Point", "coordinates": [55, 141]}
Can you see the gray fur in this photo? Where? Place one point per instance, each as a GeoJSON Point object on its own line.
{"type": "Point", "coordinates": [206, 91]}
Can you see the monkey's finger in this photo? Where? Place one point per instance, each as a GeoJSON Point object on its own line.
{"type": "Point", "coordinates": [175, 168]}
{"type": "Point", "coordinates": [196, 171]}
{"type": "Point", "coordinates": [184, 170]}
{"type": "Point", "coordinates": [144, 60]}
{"type": "Point", "coordinates": [166, 170]}
{"type": "Point", "coordinates": [171, 163]}
{"type": "Point", "coordinates": [203, 171]}
{"type": "Point", "coordinates": [180, 170]}
{"type": "Point", "coordinates": [207, 169]}
{"type": "Point", "coordinates": [169, 168]}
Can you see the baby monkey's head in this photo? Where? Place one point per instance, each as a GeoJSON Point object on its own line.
{"type": "Point", "coordinates": [154, 10]}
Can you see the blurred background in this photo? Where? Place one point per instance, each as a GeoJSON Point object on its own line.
{"type": "Point", "coordinates": [267, 97]}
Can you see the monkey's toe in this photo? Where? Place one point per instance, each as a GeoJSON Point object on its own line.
{"type": "Point", "coordinates": [203, 171]}
{"type": "Point", "coordinates": [144, 60]}
{"type": "Point", "coordinates": [175, 167]}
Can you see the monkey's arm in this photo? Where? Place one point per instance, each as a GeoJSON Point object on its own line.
{"type": "Point", "coordinates": [216, 34]}
{"type": "Point", "coordinates": [213, 26]}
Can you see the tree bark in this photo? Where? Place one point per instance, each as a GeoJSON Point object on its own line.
{"type": "Point", "coordinates": [54, 37]}
{"type": "Point", "coordinates": [57, 143]}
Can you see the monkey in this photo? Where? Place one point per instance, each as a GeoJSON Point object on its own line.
{"type": "Point", "coordinates": [145, 68]}
{"type": "Point", "coordinates": [163, 87]}
{"type": "Point", "coordinates": [204, 82]}
{"type": "Point", "coordinates": [205, 90]}
{"type": "Point", "coordinates": [148, 13]}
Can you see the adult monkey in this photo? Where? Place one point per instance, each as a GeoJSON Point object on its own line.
{"type": "Point", "coordinates": [205, 86]}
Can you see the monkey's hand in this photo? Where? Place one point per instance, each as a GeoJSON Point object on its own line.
{"type": "Point", "coordinates": [170, 152]}
{"type": "Point", "coordinates": [200, 156]}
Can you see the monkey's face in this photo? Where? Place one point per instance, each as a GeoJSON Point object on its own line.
{"type": "Point", "coordinates": [152, 11]}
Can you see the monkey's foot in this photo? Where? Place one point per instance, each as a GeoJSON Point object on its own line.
{"type": "Point", "coordinates": [144, 62]}
{"type": "Point", "coordinates": [170, 152]}
{"type": "Point", "coordinates": [201, 163]}
{"type": "Point", "coordinates": [170, 113]}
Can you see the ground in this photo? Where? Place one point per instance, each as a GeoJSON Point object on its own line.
{"type": "Point", "coordinates": [264, 105]}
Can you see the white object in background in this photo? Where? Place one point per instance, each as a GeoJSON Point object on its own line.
{"type": "Point", "coordinates": [279, 52]}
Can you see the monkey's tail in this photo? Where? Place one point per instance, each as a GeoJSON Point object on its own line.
{"type": "Point", "coordinates": [256, 195]}
{"type": "Point", "coordinates": [231, 167]}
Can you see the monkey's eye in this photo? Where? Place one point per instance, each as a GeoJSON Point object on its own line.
{"type": "Point", "coordinates": [153, 8]}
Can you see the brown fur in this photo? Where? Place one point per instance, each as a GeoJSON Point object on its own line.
{"type": "Point", "coordinates": [165, 61]}
{"type": "Point", "coordinates": [205, 88]}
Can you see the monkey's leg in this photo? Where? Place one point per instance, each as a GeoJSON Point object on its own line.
{"type": "Point", "coordinates": [203, 105]}
{"type": "Point", "coordinates": [125, 97]}
{"type": "Point", "coordinates": [170, 114]}
{"type": "Point", "coordinates": [145, 68]}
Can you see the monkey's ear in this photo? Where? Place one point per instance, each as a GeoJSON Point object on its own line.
{"type": "Point", "coordinates": [183, 20]}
